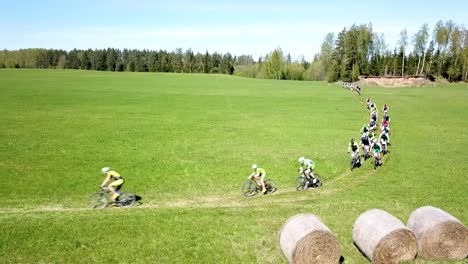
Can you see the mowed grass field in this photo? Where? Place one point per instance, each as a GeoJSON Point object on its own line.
{"type": "Point", "coordinates": [185, 144]}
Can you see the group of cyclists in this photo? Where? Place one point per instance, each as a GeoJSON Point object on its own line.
{"type": "Point", "coordinates": [352, 87]}
{"type": "Point", "coordinates": [115, 181]}
{"type": "Point", "coordinates": [306, 168]}
{"type": "Point", "coordinates": [372, 138]}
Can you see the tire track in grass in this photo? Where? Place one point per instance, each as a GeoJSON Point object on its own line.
{"type": "Point", "coordinates": [283, 196]}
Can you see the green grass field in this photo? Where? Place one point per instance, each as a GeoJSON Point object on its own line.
{"type": "Point", "coordinates": [185, 144]}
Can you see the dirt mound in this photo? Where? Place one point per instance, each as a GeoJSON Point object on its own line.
{"type": "Point", "coordinates": [409, 81]}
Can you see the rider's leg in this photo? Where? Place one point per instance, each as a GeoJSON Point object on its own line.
{"type": "Point", "coordinates": [378, 158]}
{"type": "Point", "coordinates": [310, 176]}
{"type": "Point", "coordinates": [262, 181]}
{"type": "Point", "coordinates": [114, 187]}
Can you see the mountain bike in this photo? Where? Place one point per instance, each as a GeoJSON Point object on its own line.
{"type": "Point", "coordinates": [302, 183]}
{"type": "Point", "coordinates": [377, 162]}
{"type": "Point", "coordinates": [384, 149]}
{"type": "Point", "coordinates": [366, 154]}
{"type": "Point", "coordinates": [102, 199]}
{"type": "Point", "coordinates": [355, 162]}
{"type": "Point", "coordinates": [251, 188]}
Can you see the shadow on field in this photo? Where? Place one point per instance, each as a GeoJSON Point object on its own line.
{"type": "Point", "coordinates": [138, 199]}
{"type": "Point", "coordinates": [341, 261]}
{"type": "Point", "coordinates": [362, 253]}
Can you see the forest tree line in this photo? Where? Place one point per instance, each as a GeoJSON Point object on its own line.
{"type": "Point", "coordinates": [357, 51]}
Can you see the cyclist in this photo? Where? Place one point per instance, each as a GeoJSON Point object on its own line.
{"type": "Point", "coordinates": [384, 140]}
{"type": "Point", "coordinates": [307, 168]}
{"type": "Point", "coordinates": [115, 182]}
{"type": "Point", "coordinates": [355, 148]}
{"type": "Point", "coordinates": [365, 142]}
{"type": "Point", "coordinates": [386, 131]}
{"type": "Point", "coordinates": [358, 89]}
{"type": "Point", "coordinates": [386, 117]}
{"type": "Point", "coordinates": [258, 176]}
{"type": "Point", "coordinates": [372, 125]}
{"type": "Point", "coordinates": [385, 108]}
{"type": "Point", "coordinates": [373, 115]}
{"type": "Point", "coordinates": [368, 102]}
{"type": "Point", "coordinates": [376, 148]}
{"type": "Point", "coordinates": [364, 129]}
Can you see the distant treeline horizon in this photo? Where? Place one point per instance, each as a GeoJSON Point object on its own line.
{"type": "Point", "coordinates": [354, 52]}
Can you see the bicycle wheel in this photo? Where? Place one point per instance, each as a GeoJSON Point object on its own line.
{"type": "Point", "coordinates": [270, 186]}
{"type": "Point", "coordinates": [249, 188]}
{"type": "Point", "coordinates": [319, 182]}
{"type": "Point", "coordinates": [301, 183]}
{"type": "Point", "coordinates": [126, 199]}
{"type": "Point", "coordinates": [352, 164]}
{"type": "Point", "coordinates": [98, 200]}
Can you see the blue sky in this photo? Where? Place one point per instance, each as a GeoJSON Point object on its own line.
{"type": "Point", "coordinates": [240, 27]}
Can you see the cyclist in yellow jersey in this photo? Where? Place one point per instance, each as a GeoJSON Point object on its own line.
{"type": "Point", "coordinates": [353, 146]}
{"type": "Point", "coordinates": [116, 182]}
{"type": "Point", "coordinates": [259, 176]}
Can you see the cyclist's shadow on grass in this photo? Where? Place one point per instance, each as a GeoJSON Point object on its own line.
{"type": "Point", "coordinates": [138, 199]}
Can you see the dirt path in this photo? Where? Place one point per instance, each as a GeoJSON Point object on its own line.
{"type": "Point", "coordinates": [283, 196]}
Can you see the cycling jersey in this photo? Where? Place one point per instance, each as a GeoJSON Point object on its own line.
{"type": "Point", "coordinates": [260, 171]}
{"type": "Point", "coordinates": [113, 175]}
{"type": "Point", "coordinates": [364, 129]}
{"type": "Point", "coordinates": [365, 141]}
{"type": "Point", "coordinates": [308, 164]}
{"type": "Point", "coordinates": [385, 124]}
{"type": "Point", "coordinates": [384, 137]}
{"type": "Point", "coordinates": [353, 146]}
{"type": "Point", "coordinates": [376, 147]}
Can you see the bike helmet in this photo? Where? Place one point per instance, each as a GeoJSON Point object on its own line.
{"type": "Point", "coordinates": [301, 160]}
{"type": "Point", "coordinates": [105, 170]}
{"type": "Point", "coordinates": [254, 166]}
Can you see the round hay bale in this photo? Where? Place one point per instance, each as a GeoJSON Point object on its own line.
{"type": "Point", "coordinates": [305, 239]}
{"type": "Point", "coordinates": [383, 238]}
{"type": "Point", "coordinates": [439, 234]}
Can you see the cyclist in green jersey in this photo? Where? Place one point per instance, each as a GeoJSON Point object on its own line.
{"type": "Point", "coordinates": [386, 131]}
{"type": "Point", "coordinates": [376, 149]}
{"type": "Point", "coordinates": [384, 139]}
{"type": "Point", "coordinates": [307, 168]}
{"type": "Point", "coordinates": [364, 129]}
